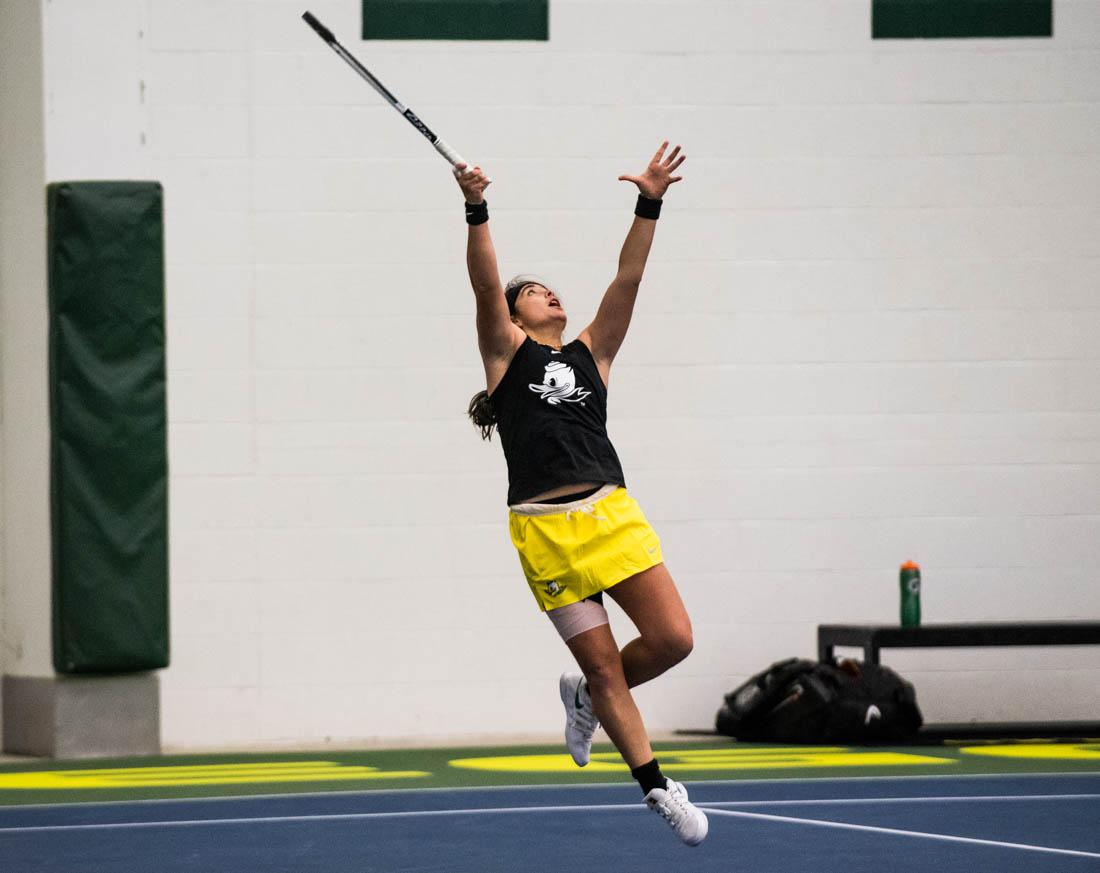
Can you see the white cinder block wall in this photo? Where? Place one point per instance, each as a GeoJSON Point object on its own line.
{"type": "Point", "coordinates": [868, 333]}
{"type": "Point", "coordinates": [24, 416]}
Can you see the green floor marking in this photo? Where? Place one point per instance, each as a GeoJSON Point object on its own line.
{"type": "Point", "coordinates": [178, 776]}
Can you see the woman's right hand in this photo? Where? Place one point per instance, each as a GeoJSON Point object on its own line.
{"type": "Point", "coordinates": [473, 183]}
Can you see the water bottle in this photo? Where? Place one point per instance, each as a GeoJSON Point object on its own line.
{"type": "Point", "coordinates": [910, 594]}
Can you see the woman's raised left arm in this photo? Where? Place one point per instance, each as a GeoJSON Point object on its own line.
{"type": "Point", "coordinates": [608, 329]}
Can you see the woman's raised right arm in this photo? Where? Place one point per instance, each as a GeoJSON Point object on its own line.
{"type": "Point", "coordinates": [498, 337]}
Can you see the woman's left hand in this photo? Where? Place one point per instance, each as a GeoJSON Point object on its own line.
{"type": "Point", "coordinates": [654, 182]}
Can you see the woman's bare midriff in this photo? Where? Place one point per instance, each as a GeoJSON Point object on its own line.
{"type": "Point", "coordinates": [562, 490]}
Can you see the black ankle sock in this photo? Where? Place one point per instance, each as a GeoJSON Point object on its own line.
{"type": "Point", "coordinates": [649, 776]}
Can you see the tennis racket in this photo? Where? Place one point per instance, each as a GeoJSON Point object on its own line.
{"type": "Point", "coordinates": [440, 146]}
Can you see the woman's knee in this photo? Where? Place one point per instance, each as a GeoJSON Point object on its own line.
{"type": "Point", "coordinates": [675, 643]}
{"type": "Point", "coordinates": [604, 674]}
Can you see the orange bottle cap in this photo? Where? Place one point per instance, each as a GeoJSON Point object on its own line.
{"type": "Point", "coordinates": [910, 565]}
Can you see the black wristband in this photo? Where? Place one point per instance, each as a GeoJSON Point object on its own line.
{"type": "Point", "coordinates": [477, 213]}
{"type": "Point", "coordinates": [648, 208]}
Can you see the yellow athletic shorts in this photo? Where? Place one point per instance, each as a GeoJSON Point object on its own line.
{"type": "Point", "coordinates": [570, 551]}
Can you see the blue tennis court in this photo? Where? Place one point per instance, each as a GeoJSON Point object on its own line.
{"type": "Point", "coordinates": [1000, 824]}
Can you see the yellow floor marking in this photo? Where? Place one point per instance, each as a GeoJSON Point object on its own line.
{"type": "Point", "coordinates": [1040, 751]}
{"type": "Point", "coordinates": [705, 759]}
{"type": "Point", "coordinates": [540, 764]}
{"type": "Point", "coordinates": [199, 774]}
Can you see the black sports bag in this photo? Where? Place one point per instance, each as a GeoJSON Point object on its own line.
{"type": "Point", "coordinates": [800, 701]}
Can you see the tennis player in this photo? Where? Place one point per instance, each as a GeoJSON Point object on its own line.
{"type": "Point", "coordinates": [577, 530]}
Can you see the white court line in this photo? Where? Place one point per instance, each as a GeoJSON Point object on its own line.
{"type": "Point", "coordinates": [348, 816]}
{"type": "Point", "coordinates": [895, 831]}
{"type": "Point", "coordinates": [950, 798]}
{"type": "Point", "coordinates": [360, 816]}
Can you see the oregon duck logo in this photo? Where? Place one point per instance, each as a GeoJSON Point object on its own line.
{"type": "Point", "coordinates": [558, 384]}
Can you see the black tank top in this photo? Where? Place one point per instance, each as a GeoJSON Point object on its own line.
{"type": "Point", "coordinates": [551, 410]}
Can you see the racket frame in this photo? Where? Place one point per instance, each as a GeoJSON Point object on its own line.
{"type": "Point", "coordinates": [441, 146]}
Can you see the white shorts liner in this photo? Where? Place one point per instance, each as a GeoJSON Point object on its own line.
{"type": "Point", "coordinates": [555, 508]}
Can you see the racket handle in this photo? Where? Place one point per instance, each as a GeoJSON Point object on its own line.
{"type": "Point", "coordinates": [322, 31]}
{"type": "Point", "coordinates": [450, 154]}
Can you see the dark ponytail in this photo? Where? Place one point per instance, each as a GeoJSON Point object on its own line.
{"type": "Point", "coordinates": [482, 415]}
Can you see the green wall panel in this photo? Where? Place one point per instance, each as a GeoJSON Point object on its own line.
{"type": "Point", "coordinates": [108, 442]}
{"type": "Point", "coordinates": [456, 19]}
{"type": "Point", "coordinates": [953, 19]}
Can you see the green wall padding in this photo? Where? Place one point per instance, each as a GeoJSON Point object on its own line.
{"type": "Point", "coordinates": [955, 19]}
{"type": "Point", "coordinates": [108, 441]}
{"type": "Point", "coordinates": [456, 19]}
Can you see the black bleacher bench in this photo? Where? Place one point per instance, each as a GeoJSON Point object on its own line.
{"type": "Point", "coordinates": [873, 637]}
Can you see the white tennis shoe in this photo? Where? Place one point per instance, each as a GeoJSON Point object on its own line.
{"type": "Point", "coordinates": [673, 806]}
{"type": "Point", "coordinates": [580, 720]}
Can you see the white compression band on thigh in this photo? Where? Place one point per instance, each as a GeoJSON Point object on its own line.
{"type": "Point", "coordinates": [578, 617]}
